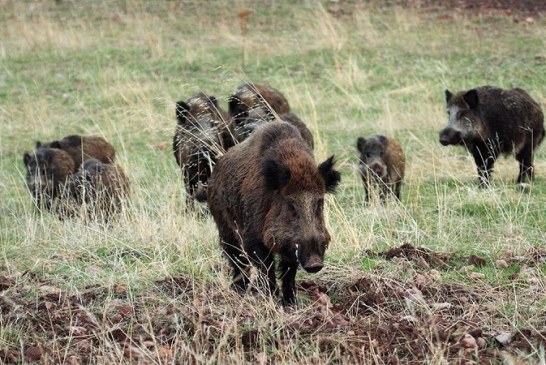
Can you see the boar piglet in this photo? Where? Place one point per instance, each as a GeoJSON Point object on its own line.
{"type": "Point", "coordinates": [490, 121]}
{"type": "Point", "coordinates": [382, 163]}
{"type": "Point", "coordinates": [82, 148]}
{"type": "Point", "coordinates": [267, 196]}
{"type": "Point", "coordinates": [203, 133]}
{"type": "Point", "coordinates": [48, 170]}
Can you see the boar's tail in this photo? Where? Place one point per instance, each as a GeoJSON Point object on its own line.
{"type": "Point", "coordinates": [201, 194]}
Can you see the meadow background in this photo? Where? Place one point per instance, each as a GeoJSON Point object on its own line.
{"type": "Point", "coordinates": [154, 287]}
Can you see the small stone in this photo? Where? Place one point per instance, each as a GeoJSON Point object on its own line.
{"type": "Point", "coordinates": [476, 276]}
{"type": "Point", "coordinates": [501, 264]}
{"type": "Point", "coordinates": [469, 342]}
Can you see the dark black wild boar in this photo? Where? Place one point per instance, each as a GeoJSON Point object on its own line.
{"type": "Point", "coordinates": [266, 196]}
{"type": "Point", "coordinates": [48, 170]}
{"type": "Point", "coordinates": [82, 148]}
{"type": "Point", "coordinates": [254, 103]}
{"type": "Point", "coordinates": [203, 133]}
{"type": "Point", "coordinates": [382, 163]}
{"type": "Point", "coordinates": [490, 121]}
{"type": "Point", "coordinates": [99, 189]}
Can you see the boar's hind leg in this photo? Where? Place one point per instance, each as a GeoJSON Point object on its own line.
{"type": "Point", "coordinates": [264, 261]}
{"type": "Point", "coordinates": [485, 158]}
{"type": "Point", "coordinates": [288, 267]}
{"type": "Point", "coordinates": [240, 266]}
{"type": "Point", "coordinates": [525, 159]}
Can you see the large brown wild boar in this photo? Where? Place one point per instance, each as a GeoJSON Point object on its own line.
{"type": "Point", "coordinates": [252, 103]}
{"type": "Point", "coordinates": [101, 189]}
{"type": "Point", "coordinates": [382, 163]}
{"type": "Point", "coordinates": [48, 170]}
{"type": "Point", "coordinates": [82, 148]}
{"type": "Point", "coordinates": [266, 196]}
{"type": "Point", "coordinates": [490, 121]}
{"type": "Point", "coordinates": [203, 133]}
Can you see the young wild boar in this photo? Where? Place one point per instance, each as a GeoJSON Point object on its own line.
{"type": "Point", "coordinates": [82, 148]}
{"type": "Point", "coordinates": [100, 188]}
{"type": "Point", "coordinates": [48, 170]}
{"type": "Point", "coordinates": [252, 103]}
{"type": "Point", "coordinates": [490, 121]}
{"type": "Point", "coordinates": [266, 196]}
{"type": "Point", "coordinates": [382, 163]}
{"type": "Point", "coordinates": [203, 133]}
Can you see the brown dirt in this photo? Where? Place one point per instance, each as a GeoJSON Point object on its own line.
{"type": "Point", "coordinates": [373, 316]}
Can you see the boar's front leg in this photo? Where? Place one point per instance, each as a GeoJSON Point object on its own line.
{"type": "Point", "coordinates": [288, 266]}
{"type": "Point", "coordinates": [263, 259]}
{"type": "Point", "coordinates": [525, 159]}
{"type": "Point", "coordinates": [485, 157]}
{"type": "Point", "coordinates": [237, 259]}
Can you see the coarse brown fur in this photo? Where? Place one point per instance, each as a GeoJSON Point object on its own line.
{"type": "Point", "coordinates": [490, 121]}
{"type": "Point", "coordinates": [255, 102]}
{"type": "Point", "coordinates": [99, 189]}
{"type": "Point", "coordinates": [266, 196]}
{"type": "Point", "coordinates": [203, 133]}
{"type": "Point", "coordinates": [382, 164]}
{"type": "Point", "coordinates": [82, 148]}
{"type": "Point", "coordinates": [48, 170]}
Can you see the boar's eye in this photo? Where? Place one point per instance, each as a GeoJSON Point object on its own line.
{"type": "Point", "coordinates": [292, 209]}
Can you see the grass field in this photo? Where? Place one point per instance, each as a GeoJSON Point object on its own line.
{"type": "Point", "coordinates": [154, 287]}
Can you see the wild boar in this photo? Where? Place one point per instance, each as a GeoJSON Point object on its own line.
{"type": "Point", "coordinates": [382, 163]}
{"type": "Point", "coordinates": [490, 121]}
{"type": "Point", "coordinates": [252, 103]}
{"type": "Point", "coordinates": [48, 170]}
{"type": "Point", "coordinates": [203, 133]}
{"type": "Point", "coordinates": [266, 196]}
{"type": "Point", "coordinates": [82, 148]}
{"type": "Point", "coordinates": [100, 189]}
{"type": "Point", "coordinates": [249, 124]}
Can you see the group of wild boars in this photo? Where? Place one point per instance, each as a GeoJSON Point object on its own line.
{"type": "Point", "coordinates": [490, 121]}
{"type": "Point", "coordinates": [266, 196]}
{"type": "Point", "coordinates": [76, 171]}
{"type": "Point", "coordinates": [204, 131]}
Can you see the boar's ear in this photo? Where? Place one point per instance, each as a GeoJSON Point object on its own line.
{"type": "Point", "coordinates": [331, 177]}
{"type": "Point", "coordinates": [448, 95]}
{"type": "Point", "coordinates": [38, 144]}
{"type": "Point", "coordinates": [360, 143]}
{"type": "Point", "coordinates": [55, 144]}
{"type": "Point", "coordinates": [236, 106]}
{"type": "Point", "coordinates": [182, 112]}
{"type": "Point", "coordinates": [471, 98]}
{"type": "Point", "coordinates": [26, 158]}
{"type": "Point", "coordinates": [213, 100]}
{"type": "Point", "coordinates": [276, 175]}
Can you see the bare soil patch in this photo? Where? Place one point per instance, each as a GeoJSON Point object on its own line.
{"type": "Point", "coordinates": [182, 320]}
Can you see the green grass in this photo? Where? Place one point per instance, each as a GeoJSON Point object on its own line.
{"type": "Point", "coordinates": [115, 69]}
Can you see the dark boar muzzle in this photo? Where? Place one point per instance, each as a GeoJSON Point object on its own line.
{"type": "Point", "coordinates": [450, 136]}
{"type": "Point", "coordinates": [313, 264]}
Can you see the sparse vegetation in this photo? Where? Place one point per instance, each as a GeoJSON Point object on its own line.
{"type": "Point", "coordinates": [153, 286]}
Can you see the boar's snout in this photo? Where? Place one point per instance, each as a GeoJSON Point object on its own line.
{"type": "Point", "coordinates": [450, 136]}
{"type": "Point", "coordinates": [379, 169]}
{"type": "Point", "coordinates": [313, 264]}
